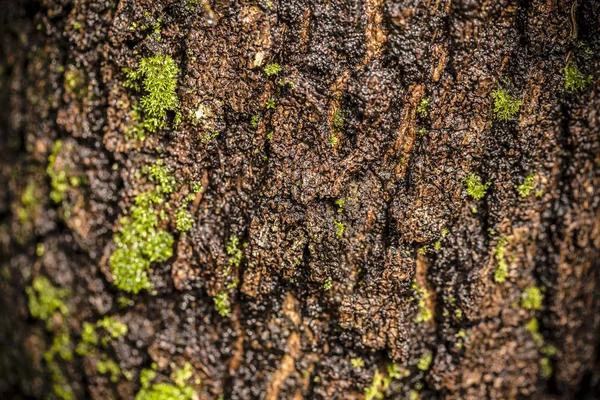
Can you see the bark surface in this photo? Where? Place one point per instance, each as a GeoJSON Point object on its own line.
{"type": "Point", "coordinates": [335, 251]}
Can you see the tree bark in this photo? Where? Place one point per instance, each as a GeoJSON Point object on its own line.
{"type": "Point", "coordinates": [370, 218]}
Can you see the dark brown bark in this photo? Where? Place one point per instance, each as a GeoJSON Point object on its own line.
{"type": "Point", "coordinates": [348, 122]}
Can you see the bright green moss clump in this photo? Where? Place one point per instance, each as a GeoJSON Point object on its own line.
{"type": "Point", "coordinates": [160, 174]}
{"type": "Point", "coordinates": [45, 300]}
{"type": "Point", "coordinates": [106, 366]}
{"type": "Point", "coordinates": [423, 106]}
{"type": "Point", "coordinates": [502, 270]}
{"type": "Point", "coordinates": [272, 69]}
{"type": "Point", "coordinates": [475, 188]}
{"type": "Point", "coordinates": [527, 186]}
{"type": "Point", "coordinates": [139, 244]}
{"type": "Point", "coordinates": [165, 391]}
{"type": "Point", "coordinates": [574, 79]}
{"type": "Point", "coordinates": [158, 76]}
{"type": "Point", "coordinates": [222, 304]}
{"type": "Point", "coordinates": [532, 298]}
{"type": "Point", "coordinates": [424, 313]}
{"type": "Point", "coordinates": [505, 107]}
{"type": "Point", "coordinates": [425, 362]}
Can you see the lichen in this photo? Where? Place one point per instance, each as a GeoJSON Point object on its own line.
{"type": "Point", "coordinates": [505, 107]}
{"type": "Point", "coordinates": [475, 188]}
{"type": "Point", "coordinates": [531, 298]}
{"type": "Point", "coordinates": [574, 79]}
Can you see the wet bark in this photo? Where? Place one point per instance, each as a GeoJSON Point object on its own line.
{"type": "Point", "coordinates": [328, 294]}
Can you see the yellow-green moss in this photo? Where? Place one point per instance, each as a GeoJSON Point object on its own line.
{"type": "Point", "coordinates": [357, 362]}
{"type": "Point", "coordinates": [222, 304]}
{"type": "Point", "coordinates": [531, 298]}
{"type": "Point", "coordinates": [502, 270]}
{"type": "Point", "coordinates": [272, 69]}
{"type": "Point", "coordinates": [139, 244]}
{"type": "Point", "coordinates": [107, 366]}
{"type": "Point", "coordinates": [505, 107]}
{"type": "Point", "coordinates": [574, 79]}
{"type": "Point", "coordinates": [527, 186]}
{"type": "Point", "coordinates": [45, 300]}
{"type": "Point", "coordinates": [475, 188]}
{"type": "Point", "coordinates": [424, 313]}
{"type": "Point", "coordinates": [425, 362]}
{"type": "Point", "coordinates": [164, 391]}
{"type": "Point", "coordinates": [423, 105]}
{"type": "Point", "coordinates": [339, 228]}
{"type": "Point", "coordinates": [158, 77]}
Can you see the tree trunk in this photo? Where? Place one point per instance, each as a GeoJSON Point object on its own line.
{"type": "Point", "coordinates": [299, 199]}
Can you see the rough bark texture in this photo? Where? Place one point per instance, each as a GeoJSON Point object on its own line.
{"type": "Point", "coordinates": [331, 300]}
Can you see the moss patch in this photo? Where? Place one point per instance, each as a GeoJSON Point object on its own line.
{"type": "Point", "coordinates": [505, 107]}
{"type": "Point", "coordinates": [475, 188]}
{"type": "Point", "coordinates": [158, 77]}
{"type": "Point", "coordinates": [574, 79]}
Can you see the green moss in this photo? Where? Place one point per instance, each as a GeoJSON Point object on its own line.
{"type": "Point", "coordinates": [533, 327]}
{"type": "Point", "coordinates": [139, 244]}
{"type": "Point", "coordinates": [270, 103]}
{"type": "Point", "coordinates": [58, 178]}
{"type": "Point", "coordinates": [222, 304]}
{"type": "Point", "coordinates": [423, 106]}
{"type": "Point", "coordinates": [546, 368]}
{"type": "Point", "coordinates": [29, 202]}
{"type": "Point", "coordinates": [531, 298]}
{"type": "Point", "coordinates": [183, 375]}
{"type": "Point", "coordinates": [505, 107]}
{"type": "Point", "coordinates": [254, 121]}
{"type": "Point", "coordinates": [340, 203]}
{"type": "Point", "coordinates": [328, 284]}
{"type": "Point", "coordinates": [114, 328]}
{"type": "Point", "coordinates": [45, 300]}
{"type": "Point", "coordinates": [234, 252]}
{"type": "Point", "coordinates": [425, 362]}
{"type": "Point", "coordinates": [502, 270]}
{"type": "Point", "coordinates": [163, 391]}
{"type": "Point", "coordinates": [107, 366]}
{"type": "Point", "coordinates": [424, 313]}
{"type": "Point", "coordinates": [574, 79]}
{"type": "Point", "coordinates": [376, 390]}
{"type": "Point", "coordinates": [333, 140]}
{"type": "Point", "coordinates": [272, 69]}
{"type": "Point", "coordinates": [161, 174]}
{"type": "Point", "coordinates": [183, 220]}
{"type": "Point", "coordinates": [357, 362]}
{"type": "Point", "coordinates": [475, 188]}
{"type": "Point", "coordinates": [339, 228]}
{"type": "Point", "coordinates": [339, 117]}
{"type": "Point", "coordinates": [397, 371]}
{"type": "Point", "coordinates": [527, 186]}
{"type": "Point", "coordinates": [89, 339]}
{"type": "Point", "coordinates": [158, 76]}
{"type": "Point", "coordinates": [422, 132]}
